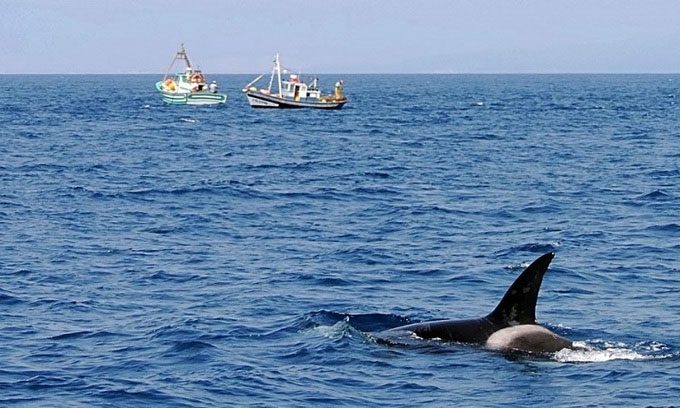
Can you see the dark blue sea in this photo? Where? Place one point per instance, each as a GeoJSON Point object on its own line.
{"type": "Point", "coordinates": [179, 256]}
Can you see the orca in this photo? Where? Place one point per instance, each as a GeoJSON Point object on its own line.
{"type": "Point", "coordinates": [510, 327]}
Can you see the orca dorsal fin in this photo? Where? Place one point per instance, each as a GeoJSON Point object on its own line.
{"type": "Point", "coordinates": [518, 306]}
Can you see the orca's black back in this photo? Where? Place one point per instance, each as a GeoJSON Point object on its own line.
{"type": "Point", "coordinates": [463, 331]}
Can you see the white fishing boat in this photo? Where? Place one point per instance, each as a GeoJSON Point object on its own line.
{"type": "Point", "coordinates": [188, 87]}
{"type": "Point", "coordinates": [292, 92]}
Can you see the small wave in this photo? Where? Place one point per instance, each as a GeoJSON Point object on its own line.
{"type": "Point", "coordinates": [229, 189]}
{"type": "Point", "coordinates": [665, 173]}
{"type": "Point", "coordinates": [173, 277]}
{"type": "Point", "coordinates": [6, 204]}
{"type": "Point", "coordinates": [337, 331]}
{"type": "Point", "coordinates": [190, 345]}
{"type": "Point", "coordinates": [122, 395]}
{"type": "Point", "coordinates": [71, 335]}
{"type": "Point", "coordinates": [428, 209]}
{"type": "Point", "coordinates": [71, 305]}
{"type": "Point", "coordinates": [375, 191]}
{"type": "Point", "coordinates": [103, 334]}
{"type": "Point", "coordinates": [656, 195]}
{"type": "Point", "coordinates": [6, 299]}
{"type": "Point", "coordinates": [671, 228]}
{"type": "Point", "coordinates": [377, 174]}
{"type": "Point", "coordinates": [333, 281]}
{"type": "Point", "coordinates": [43, 167]}
{"type": "Point", "coordinates": [188, 120]}
{"type": "Point", "coordinates": [44, 381]}
{"type": "Point", "coordinates": [599, 351]}
{"type": "Point", "coordinates": [597, 356]}
{"type": "Point", "coordinates": [162, 230]}
{"type": "Point", "coordinates": [532, 247]}
{"type": "Point", "coordinates": [563, 107]}
{"type": "Point", "coordinates": [363, 256]}
{"type": "Point", "coordinates": [170, 331]}
{"type": "Point", "coordinates": [574, 291]}
{"type": "Point", "coordinates": [367, 322]}
{"type": "Point", "coordinates": [20, 400]}
{"type": "Point", "coordinates": [540, 209]}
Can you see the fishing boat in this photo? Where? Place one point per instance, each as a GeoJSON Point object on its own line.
{"type": "Point", "coordinates": [188, 87]}
{"type": "Point", "coordinates": [292, 92]}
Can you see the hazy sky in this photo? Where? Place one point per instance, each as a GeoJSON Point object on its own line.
{"type": "Point", "coordinates": [348, 36]}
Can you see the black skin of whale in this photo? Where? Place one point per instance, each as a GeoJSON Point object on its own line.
{"type": "Point", "coordinates": [518, 307]}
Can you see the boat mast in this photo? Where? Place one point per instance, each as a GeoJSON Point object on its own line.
{"type": "Point", "coordinates": [181, 55]}
{"type": "Point", "coordinates": [271, 79]}
{"type": "Point", "coordinates": [278, 71]}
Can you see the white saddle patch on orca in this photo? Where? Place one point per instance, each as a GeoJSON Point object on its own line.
{"type": "Point", "coordinates": [527, 338]}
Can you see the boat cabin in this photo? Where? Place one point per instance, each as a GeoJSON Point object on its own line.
{"type": "Point", "coordinates": [295, 89]}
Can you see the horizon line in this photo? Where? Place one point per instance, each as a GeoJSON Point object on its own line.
{"type": "Point", "coordinates": [367, 73]}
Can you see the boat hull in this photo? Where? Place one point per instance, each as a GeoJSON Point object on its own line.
{"type": "Point", "coordinates": [260, 100]}
{"type": "Point", "coordinates": [193, 98]}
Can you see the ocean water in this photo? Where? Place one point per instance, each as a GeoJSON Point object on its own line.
{"type": "Point", "coordinates": [177, 256]}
